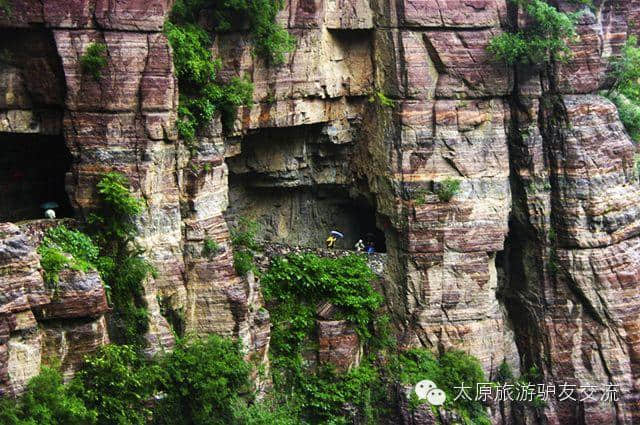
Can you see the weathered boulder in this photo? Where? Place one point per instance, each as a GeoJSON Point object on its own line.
{"type": "Point", "coordinates": [338, 344]}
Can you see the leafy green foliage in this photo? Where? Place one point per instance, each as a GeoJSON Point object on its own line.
{"type": "Point", "coordinates": [243, 239]}
{"type": "Point", "coordinates": [382, 99]}
{"type": "Point", "coordinates": [448, 371]}
{"type": "Point", "coordinates": [447, 189]}
{"type": "Point", "coordinates": [505, 374]}
{"type": "Point", "coordinates": [271, 41]}
{"type": "Point", "coordinates": [306, 279]}
{"type": "Point", "coordinates": [625, 91]}
{"type": "Point", "coordinates": [626, 69]}
{"type": "Point", "coordinates": [293, 286]}
{"type": "Point", "coordinates": [63, 248]}
{"type": "Point", "coordinates": [94, 60]}
{"type": "Point", "coordinates": [116, 383]}
{"type": "Point", "coordinates": [112, 250]}
{"type": "Point", "coordinates": [192, 57]}
{"type": "Point", "coordinates": [53, 261]}
{"type": "Point", "coordinates": [121, 264]}
{"type": "Point", "coordinates": [210, 248]}
{"type": "Point", "coordinates": [511, 48]}
{"type": "Point", "coordinates": [46, 401]}
{"type": "Point", "coordinates": [265, 413]}
{"type": "Point", "coordinates": [629, 113]}
{"type": "Point", "coordinates": [202, 380]}
{"type": "Point", "coordinates": [323, 395]}
{"type": "Point", "coordinates": [200, 95]}
{"type": "Point", "coordinates": [544, 40]}
{"type": "Point", "coordinates": [5, 7]}
{"type": "Point", "coordinates": [418, 196]}
{"type": "Point", "coordinates": [74, 242]}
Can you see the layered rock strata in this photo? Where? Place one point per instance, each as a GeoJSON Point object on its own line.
{"type": "Point", "coordinates": [42, 323]}
{"type": "Point", "coordinates": [542, 160]}
{"type": "Point", "coordinates": [124, 121]}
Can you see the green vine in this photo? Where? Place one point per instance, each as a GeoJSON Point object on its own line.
{"type": "Point", "coordinates": [121, 264]}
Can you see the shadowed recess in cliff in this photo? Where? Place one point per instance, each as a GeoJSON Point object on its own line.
{"type": "Point", "coordinates": [298, 183]}
{"type": "Point", "coordinates": [32, 172]}
{"type": "Point", "coordinates": [304, 216]}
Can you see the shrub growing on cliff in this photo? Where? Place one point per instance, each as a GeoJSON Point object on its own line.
{"type": "Point", "coordinates": [116, 383]}
{"type": "Point", "coordinates": [202, 380]}
{"type": "Point", "coordinates": [245, 247]}
{"type": "Point", "coordinates": [544, 39]}
{"type": "Point", "coordinates": [121, 264]}
{"type": "Point", "coordinates": [293, 287]}
{"type": "Point", "coordinates": [382, 99]}
{"type": "Point", "coordinates": [447, 189]}
{"type": "Point", "coordinates": [64, 248]}
{"type": "Point", "coordinates": [625, 89]}
{"type": "Point", "coordinates": [629, 113]}
{"type": "Point", "coordinates": [450, 370]}
{"type": "Point", "coordinates": [46, 401]}
{"type": "Point", "coordinates": [306, 279]}
{"type": "Point", "coordinates": [200, 95]}
{"type": "Point", "coordinates": [210, 248]}
{"type": "Point", "coordinates": [94, 60]}
{"type": "Point", "coordinates": [270, 40]}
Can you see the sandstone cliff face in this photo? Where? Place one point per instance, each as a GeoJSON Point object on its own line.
{"type": "Point", "coordinates": [41, 323]}
{"type": "Point", "coordinates": [125, 122]}
{"type": "Point", "coordinates": [573, 287]}
{"type": "Point", "coordinates": [533, 262]}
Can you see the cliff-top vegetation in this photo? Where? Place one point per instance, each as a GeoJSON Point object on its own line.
{"type": "Point", "coordinates": [202, 93]}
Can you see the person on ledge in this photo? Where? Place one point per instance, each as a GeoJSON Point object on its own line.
{"type": "Point", "coordinates": [371, 247]}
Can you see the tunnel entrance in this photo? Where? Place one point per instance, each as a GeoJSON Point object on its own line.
{"type": "Point", "coordinates": [304, 216]}
{"type": "Point", "coordinates": [32, 173]}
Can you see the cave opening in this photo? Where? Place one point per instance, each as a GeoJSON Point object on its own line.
{"type": "Point", "coordinates": [32, 173]}
{"type": "Point", "coordinates": [304, 216]}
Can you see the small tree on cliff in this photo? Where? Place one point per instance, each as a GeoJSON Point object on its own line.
{"type": "Point", "coordinates": [543, 40]}
{"type": "Point", "coordinates": [94, 60]}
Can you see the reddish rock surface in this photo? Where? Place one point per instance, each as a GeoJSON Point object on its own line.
{"type": "Point", "coordinates": [77, 294]}
{"type": "Point", "coordinates": [339, 344]}
{"type": "Point", "coordinates": [28, 306]}
{"type": "Point", "coordinates": [557, 183]}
